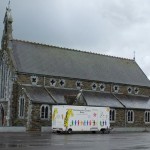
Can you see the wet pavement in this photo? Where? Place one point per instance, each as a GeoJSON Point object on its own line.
{"type": "Point", "coordinates": [51, 141]}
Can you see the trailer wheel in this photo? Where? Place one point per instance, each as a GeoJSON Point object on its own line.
{"type": "Point", "coordinates": [58, 132]}
{"type": "Point", "coordinates": [103, 131]}
{"type": "Point", "coordinates": [93, 132]}
{"type": "Point", "coordinates": [69, 131]}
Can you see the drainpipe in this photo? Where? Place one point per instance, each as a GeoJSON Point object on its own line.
{"type": "Point", "coordinates": [44, 81]}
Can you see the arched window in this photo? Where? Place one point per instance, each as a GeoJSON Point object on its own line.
{"type": "Point", "coordinates": [112, 115]}
{"type": "Point", "coordinates": [44, 112]}
{"type": "Point", "coordinates": [130, 116]}
{"type": "Point", "coordinates": [147, 117]}
{"type": "Point", "coordinates": [21, 107]}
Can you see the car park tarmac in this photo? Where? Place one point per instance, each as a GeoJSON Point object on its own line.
{"type": "Point", "coordinates": [51, 141]}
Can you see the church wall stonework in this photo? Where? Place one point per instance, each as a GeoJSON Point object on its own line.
{"type": "Point", "coordinates": [16, 121]}
{"type": "Point", "coordinates": [15, 95]}
{"type": "Point", "coordinates": [37, 122]}
{"type": "Point", "coordinates": [4, 104]}
{"type": "Point", "coordinates": [71, 83]}
{"type": "Point", "coordinates": [121, 119]}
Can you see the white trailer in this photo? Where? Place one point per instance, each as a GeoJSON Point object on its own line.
{"type": "Point", "coordinates": [68, 118]}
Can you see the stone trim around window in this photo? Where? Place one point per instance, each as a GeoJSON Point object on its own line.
{"type": "Point", "coordinates": [116, 88]}
{"type": "Point", "coordinates": [21, 111]}
{"type": "Point", "coordinates": [79, 85]}
{"type": "Point", "coordinates": [112, 114]}
{"type": "Point", "coordinates": [94, 86]}
{"type": "Point", "coordinates": [136, 90]}
{"type": "Point", "coordinates": [34, 80]}
{"type": "Point", "coordinates": [62, 82]}
{"type": "Point", "coordinates": [130, 90]}
{"type": "Point", "coordinates": [147, 117]}
{"type": "Point", "coordinates": [45, 112]}
{"type": "Point", "coordinates": [53, 82]}
{"type": "Point", "coordinates": [102, 87]}
{"type": "Point", "coordinates": [130, 116]}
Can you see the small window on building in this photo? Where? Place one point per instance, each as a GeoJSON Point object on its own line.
{"type": "Point", "coordinates": [94, 86]}
{"type": "Point", "coordinates": [62, 82]}
{"type": "Point", "coordinates": [44, 112]}
{"type": "Point", "coordinates": [79, 84]}
{"type": "Point", "coordinates": [112, 115]}
{"type": "Point", "coordinates": [130, 116]}
{"type": "Point", "coordinates": [102, 86]}
{"type": "Point", "coordinates": [136, 90]}
{"type": "Point", "coordinates": [21, 107]}
{"type": "Point", "coordinates": [129, 89]}
{"type": "Point", "coordinates": [147, 117]}
{"type": "Point", "coordinates": [34, 80]}
{"type": "Point", "coordinates": [116, 88]}
{"type": "Point", "coordinates": [52, 82]}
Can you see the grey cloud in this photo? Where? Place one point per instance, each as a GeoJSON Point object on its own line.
{"type": "Point", "coordinates": [116, 27]}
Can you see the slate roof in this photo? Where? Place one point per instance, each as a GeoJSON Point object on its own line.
{"type": "Point", "coordinates": [93, 98]}
{"type": "Point", "coordinates": [38, 95]}
{"type": "Point", "coordinates": [101, 99]}
{"type": "Point", "coordinates": [49, 95]}
{"type": "Point", "coordinates": [132, 101]}
{"type": "Point", "coordinates": [50, 60]}
{"type": "Point", "coordinates": [59, 94]}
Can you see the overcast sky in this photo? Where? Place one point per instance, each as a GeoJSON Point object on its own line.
{"type": "Point", "coordinates": [111, 27]}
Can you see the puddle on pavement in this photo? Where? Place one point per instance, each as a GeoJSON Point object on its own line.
{"type": "Point", "coordinates": [22, 145]}
{"type": "Point", "coordinates": [11, 145]}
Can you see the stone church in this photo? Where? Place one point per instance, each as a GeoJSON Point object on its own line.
{"type": "Point", "coordinates": [34, 76]}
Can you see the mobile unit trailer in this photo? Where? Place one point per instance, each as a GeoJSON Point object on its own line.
{"type": "Point", "coordinates": [68, 118]}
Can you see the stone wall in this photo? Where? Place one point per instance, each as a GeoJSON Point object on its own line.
{"type": "Point", "coordinates": [87, 85]}
{"type": "Point", "coordinates": [15, 97]}
{"type": "Point", "coordinates": [4, 104]}
{"type": "Point", "coordinates": [17, 92]}
{"type": "Point", "coordinates": [121, 119]}
{"type": "Point", "coordinates": [138, 119]}
{"type": "Point", "coordinates": [36, 121]}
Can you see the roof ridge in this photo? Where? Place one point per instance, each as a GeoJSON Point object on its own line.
{"type": "Point", "coordinates": [72, 49]}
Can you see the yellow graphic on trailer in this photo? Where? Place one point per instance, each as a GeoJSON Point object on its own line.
{"type": "Point", "coordinates": [107, 109]}
{"type": "Point", "coordinates": [69, 114]}
{"type": "Point", "coordinates": [54, 114]}
{"type": "Point", "coordinates": [80, 118]}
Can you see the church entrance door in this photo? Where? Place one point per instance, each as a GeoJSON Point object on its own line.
{"type": "Point", "coordinates": [1, 115]}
